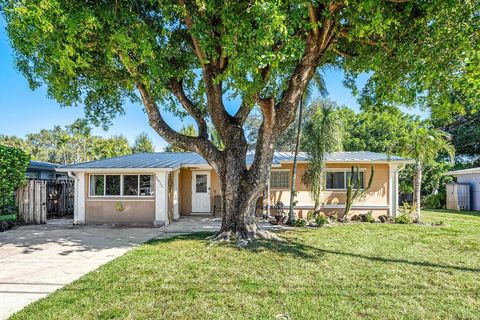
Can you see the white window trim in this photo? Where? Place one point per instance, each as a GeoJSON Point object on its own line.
{"type": "Point", "coordinates": [345, 171]}
{"type": "Point", "coordinates": [121, 185]}
{"type": "Point", "coordinates": [289, 178]}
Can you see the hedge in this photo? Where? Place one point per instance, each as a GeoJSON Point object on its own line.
{"type": "Point", "coordinates": [13, 167]}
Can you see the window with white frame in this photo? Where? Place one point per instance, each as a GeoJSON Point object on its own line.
{"type": "Point", "coordinates": [337, 180]}
{"type": "Point", "coordinates": [280, 179]}
{"type": "Point", "coordinates": [128, 185]}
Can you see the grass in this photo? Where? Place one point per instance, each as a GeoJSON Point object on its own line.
{"type": "Point", "coordinates": [8, 217]}
{"type": "Point", "coordinates": [353, 271]}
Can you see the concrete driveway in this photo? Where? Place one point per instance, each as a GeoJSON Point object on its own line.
{"type": "Point", "coordinates": [37, 260]}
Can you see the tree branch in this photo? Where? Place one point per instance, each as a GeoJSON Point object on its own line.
{"type": "Point", "coordinates": [200, 145]}
{"type": "Point", "coordinates": [343, 53]}
{"type": "Point", "coordinates": [313, 18]}
{"type": "Point", "coordinates": [189, 22]}
{"type": "Point", "coordinates": [243, 112]}
{"type": "Point", "coordinates": [177, 89]}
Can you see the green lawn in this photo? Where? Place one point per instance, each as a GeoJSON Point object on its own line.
{"type": "Point", "coordinates": [374, 271]}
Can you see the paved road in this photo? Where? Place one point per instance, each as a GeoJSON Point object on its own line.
{"type": "Point", "coordinates": [37, 260]}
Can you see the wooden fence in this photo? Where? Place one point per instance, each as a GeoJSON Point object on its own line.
{"type": "Point", "coordinates": [31, 201]}
{"type": "Point", "coordinates": [40, 199]}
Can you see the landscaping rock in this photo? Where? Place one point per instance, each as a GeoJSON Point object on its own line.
{"type": "Point", "coordinates": [383, 219]}
{"type": "Point", "coordinates": [356, 218]}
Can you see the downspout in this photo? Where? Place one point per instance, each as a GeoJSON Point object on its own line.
{"type": "Point", "coordinates": [395, 196]}
{"type": "Point", "coordinates": [75, 197]}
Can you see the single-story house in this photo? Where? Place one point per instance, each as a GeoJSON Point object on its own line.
{"type": "Point", "coordinates": [44, 170]}
{"type": "Point", "coordinates": [471, 177]}
{"type": "Point", "coordinates": [156, 188]}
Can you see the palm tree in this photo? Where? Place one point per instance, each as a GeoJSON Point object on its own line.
{"type": "Point", "coordinates": [317, 82]}
{"type": "Point", "coordinates": [425, 145]}
{"type": "Point", "coordinates": [323, 134]}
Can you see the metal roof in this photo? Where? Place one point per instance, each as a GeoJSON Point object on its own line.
{"type": "Point", "coordinates": [464, 171]}
{"type": "Point", "coordinates": [341, 156]}
{"type": "Point", "coordinates": [160, 160]}
{"type": "Point", "coordinates": [42, 165]}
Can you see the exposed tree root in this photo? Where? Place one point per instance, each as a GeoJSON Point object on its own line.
{"type": "Point", "coordinates": [243, 238]}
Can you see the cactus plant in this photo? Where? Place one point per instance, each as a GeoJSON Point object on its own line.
{"type": "Point", "coordinates": [353, 189]}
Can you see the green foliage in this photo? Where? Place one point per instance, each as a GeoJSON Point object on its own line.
{"type": "Point", "coordinates": [72, 144]}
{"type": "Point", "coordinates": [321, 219]}
{"type": "Point", "coordinates": [301, 223]}
{"type": "Point", "coordinates": [143, 144]}
{"type": "Point", "coordinates": [403, 219]}
{"type": "Point", "coordinates": [15, 142]}
{"type": "Point", "coordinates": [384, 130]}
{"type": "Point", "coordinates": [368, 217]}
{"type": "Point", "coordinates": [407, 209]}
{"type": "Point", "coordinates": [322, 134]}
{"type": "Point", "coordinates": [435, 201]}
{"type": "Point", "coordinates": [354, 190]}
{"type": "Point", "coordinates": [95, 52]}
{"type": "Point", "coordinates": [13, 168]}
{"type": "Point", "coordinates": [426, 143]}
{"type": "Point", "coordinates": [286, 141]}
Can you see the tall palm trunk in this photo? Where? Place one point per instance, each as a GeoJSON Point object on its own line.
{"type": "Point", "coordinates": [417, 187]}
{"type": "Point", "coordinates": [291, 213]}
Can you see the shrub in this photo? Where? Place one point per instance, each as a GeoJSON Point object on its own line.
{"type": "Point", "coordinates": [310, 215]}
{"type": "Point", "coordinates": [300, 223]}
{"type": "Point", "coordinates": [403, 219]}
{"type": "Point", "coordinates": [435, 201]}
{"type": "Point", "coordinates": [368, 217]}
{"type": "Point", "coordinates": [321, 219]}
{"type": "Point", "coordinates": [13, 166]}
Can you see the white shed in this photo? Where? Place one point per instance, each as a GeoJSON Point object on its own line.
{"type": "Point", "coordinates": [472, 178]}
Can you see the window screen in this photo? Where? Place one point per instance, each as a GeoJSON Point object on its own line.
{"type": "Point", "coordinates": [279, 179]}
{"type": "Point", "coordinates": [146, 185]}
{"type": "Point", "coordinates": [354, 179]}
{"type": "Point", "coordinates": [201, 183]}
{"type": "Point", "coordinates": [97, 185]}
{"type": "Point", "coordinates": [112, 185]}
{"type": "Point", "coordinates": [335, 180]}
{"type": "Point", "coordinates": [130, 185]}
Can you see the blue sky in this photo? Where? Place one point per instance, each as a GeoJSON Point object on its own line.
{"type": "Point", "coordinates": [25, 111]}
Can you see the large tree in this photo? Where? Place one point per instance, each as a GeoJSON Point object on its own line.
{"type": "Point", "coordinates": [189, 56]}
{"type": "Point", "coordinates": [143, 144]}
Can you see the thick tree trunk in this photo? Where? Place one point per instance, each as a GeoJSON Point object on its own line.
{"type": "Point", "coordinates": [417, 187]}
{"type": "Point", "coordinates": [240, 194]}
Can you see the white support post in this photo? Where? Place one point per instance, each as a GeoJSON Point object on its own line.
{"type": "Point", "coordinates": [79, 201]}
{"type": "Point", "coordinates": [161, 199]}
{"type": "Point", "coordinates": [176, 209]}
{"type": "Point", "coordinates": [393, 190]}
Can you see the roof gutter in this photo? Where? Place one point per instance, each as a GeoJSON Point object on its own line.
{"type": "Point", "coordinates": [114, 170]}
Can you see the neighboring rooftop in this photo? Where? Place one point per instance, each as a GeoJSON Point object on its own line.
{"type": "Point", "coordinates": [42, 165]}
{"type": "Point", "coordinates": [178, 159]}
{"type": "Point", "coordinates": [464, 171]}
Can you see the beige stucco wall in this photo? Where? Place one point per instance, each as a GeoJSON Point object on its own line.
{"type": "Point", "coordinates": [185, 189]}
{"type": "Point", "coordinates": [378, 194]}
{"type": "Point", "coordinates": [101, 210]}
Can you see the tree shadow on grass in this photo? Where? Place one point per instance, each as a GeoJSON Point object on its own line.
{"type": "Point", "coordinates": [305, 251]}
{"type": "Point", "coordinates": [308, 252]}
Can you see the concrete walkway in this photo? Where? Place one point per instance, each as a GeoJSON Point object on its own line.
{"type": "Point", "coordinates": [37, 260]}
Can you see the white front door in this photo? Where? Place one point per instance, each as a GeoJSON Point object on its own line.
{"type": "Point", "coordinates": [201, 191]}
